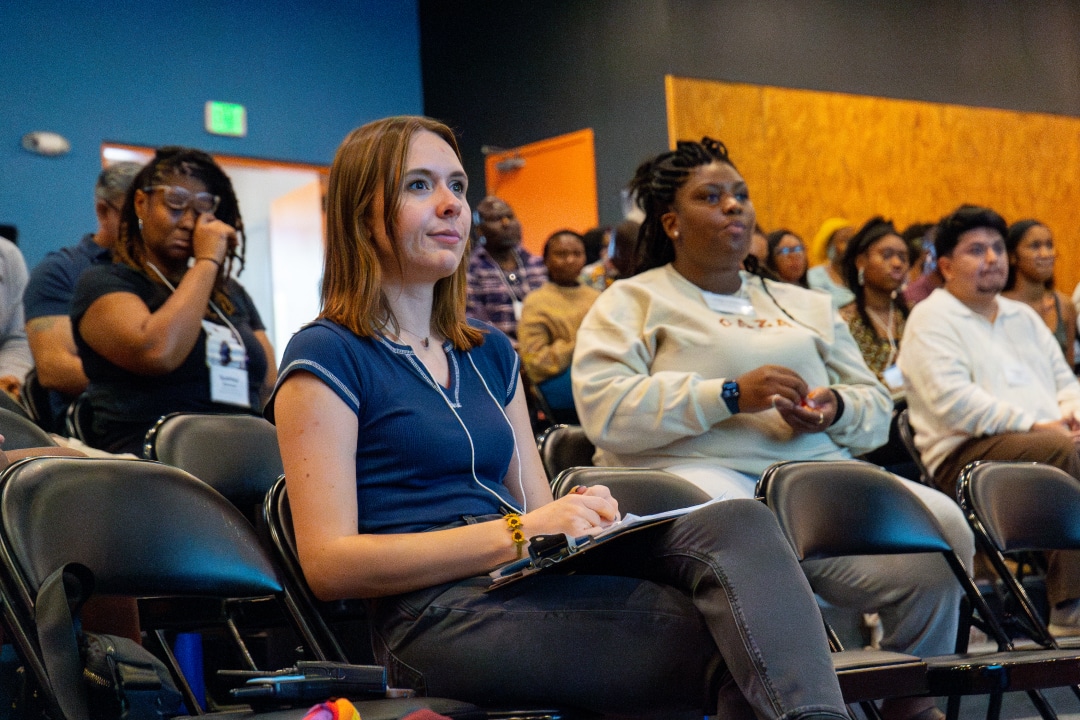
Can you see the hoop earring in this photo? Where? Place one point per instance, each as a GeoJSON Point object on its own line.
{"type": "Point", "coordinates": [862, 276]}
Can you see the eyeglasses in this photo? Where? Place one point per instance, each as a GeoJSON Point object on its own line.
{"type": "Point", "coordinates": [795, 250]}
{"type": "Point", "coordinates": [178, 198]}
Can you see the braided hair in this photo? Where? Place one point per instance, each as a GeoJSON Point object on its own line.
{"type": "Point", "coordinates": [654, 186]}
{"type": "Point", "coordinates": [875, 228]}
{"type": "Point", "coordinates": [169, 162]}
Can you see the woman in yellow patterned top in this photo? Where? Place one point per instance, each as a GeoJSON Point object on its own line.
{"type": "Point", "coordinates": [875, 265]}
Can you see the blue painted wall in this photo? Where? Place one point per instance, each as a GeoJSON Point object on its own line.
{"type": "Point", "coordinates": [140, 73]}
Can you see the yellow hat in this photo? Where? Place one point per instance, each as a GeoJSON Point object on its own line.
{"type": "Point", "coordinates": [819, 245]}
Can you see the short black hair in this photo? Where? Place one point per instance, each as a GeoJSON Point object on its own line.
{"type": "Point", "coordinates": [958, 222]}
{"type": "Point", "coordinates": [559, 233]}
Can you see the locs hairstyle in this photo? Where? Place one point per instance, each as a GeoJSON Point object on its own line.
{"type": "Point", "coordinates": [654, 186]}
{"type": "Point", "coordinates": [172, 162]}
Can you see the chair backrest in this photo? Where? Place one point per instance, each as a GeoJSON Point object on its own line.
{"type": "Point", "coordinates": [848, 507]}
{"type": "Point", "coordinates": [9, 403]}
{"type": "Point", "coordinates": [77, 420]}
{"type": "Point", "coordinates": [562, 447]}
{"type": "Point", "coordinates": [1022, 506]}
{"type": "Point", "coordinates": [640, 491]}
{"type": "Point", "coordinates": [34, 400]}
{"type": "Point", "coordinates": [277, 517]}
{"type": "Point", "coordinates": [907, 437]}
{"type": "Point", "coordinates": [142, 528]}
{"type": "Point", "coordinates": [21, 432]}
{"type": "Point", "coordinates": [237, 455]}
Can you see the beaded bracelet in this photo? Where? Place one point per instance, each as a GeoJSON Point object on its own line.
{"type": "Point", "coordinates": [513, 524]}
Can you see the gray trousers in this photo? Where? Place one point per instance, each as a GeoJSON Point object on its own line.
{"type": "Point", "coordinates": [916, 596]}
{"type": "Point", "coordinates": [709, 613]}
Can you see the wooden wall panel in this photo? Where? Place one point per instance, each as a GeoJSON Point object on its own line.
{"type": "Point", "coordinates": [808, 156]}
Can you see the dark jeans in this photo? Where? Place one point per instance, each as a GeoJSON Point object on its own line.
{"type": "Point", "coordinates": [1047, 447]}
{"type": "Point", "coordinates": [711, 612]}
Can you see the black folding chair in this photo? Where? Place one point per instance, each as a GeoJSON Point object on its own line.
{"type": "Point", "coordinates": [146, 530]}
{"type": "Point", "coordinates": [907, 436]}
{"type": "Point", "coordinates": [1017, 509]}
{"type": "Point", "coordinates": [235, 454]}
{"type": "Point", "coordinates": [639, 491]}
{"type": "Point", "coordinates": [562, 447]}
{"type": "Point", "coordinates": [20, 432]}
{"type": "Point", "coordinates": [843, 508]}
{"type": "Point", "coordinates": [35, 402]}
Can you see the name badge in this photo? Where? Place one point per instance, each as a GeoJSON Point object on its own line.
{"type": "Point", "coordinates": [893, 378]}
{"type": "Point", "coordinates": [227, 361]}
{"type": "Point", "coordinates": [728, 304]}
{"type": "Point", "coordinates": [1016, 374]}
{"type": "Point", "coordinates": [517, 309]}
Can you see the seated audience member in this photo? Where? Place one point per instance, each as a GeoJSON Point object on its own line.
{"type": "Point", "coordinates": [52, 285]}
{"type": "Point", "coordinates": [551, 317]}
{"type": "Point", "coordinates": [759, 245]}
{"type": "Point", "coordinates": [1031, 281]}
{"type": "Point", "coordinates": [15, 358]}
{"type": "Point", "coordinates": [826, 256]}
{"type": "Point", "coordinates": [501, 272]}
{"type": "Point", "coordinates": [986, 379]}
{"type": "Point", "coordinates": [919, 289]}
{"type": "Point", "coordinates": [875, 266]}
{"type": "Point", "coordinates": [619, 260]}
{"type": "Point", "coordinates": [596, 241]}
{"type": "Point", "coordinates": [787, 257]}
{"type": "Point", "coordinates": [714, 374]}
{"type": "Point", "coordinates": [164, 327]}
{"type": "Point", "coordinates": [920, 249]}
{"type": "Point", "coordinates": [710, 613]}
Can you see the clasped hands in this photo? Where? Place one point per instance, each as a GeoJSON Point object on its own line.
{"type": "Point", "coordinates": [775, 386]}
{"type": "Point", "coordinates": [1066, 426]}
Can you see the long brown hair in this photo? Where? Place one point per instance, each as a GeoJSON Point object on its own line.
{"type": "Point", "coordinates": [130, 248]}
{"type": "Point", "coordinates": [368, 168]}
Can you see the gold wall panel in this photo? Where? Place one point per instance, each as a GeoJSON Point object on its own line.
{"type": "Point", "coordinates": [808, 156]}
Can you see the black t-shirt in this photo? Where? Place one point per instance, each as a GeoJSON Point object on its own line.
{"type": "Point", "coordinates": [124, 405]}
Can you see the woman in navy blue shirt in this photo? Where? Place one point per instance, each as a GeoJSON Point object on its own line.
{"type": "Point", "coordinates": [412, 472]}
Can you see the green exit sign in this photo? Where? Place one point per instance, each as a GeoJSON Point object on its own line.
{"type": "Point", "coordinates": [226, 119]}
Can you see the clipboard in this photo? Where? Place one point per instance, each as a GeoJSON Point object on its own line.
{"type": "Point", "coordinates": [558, 553]}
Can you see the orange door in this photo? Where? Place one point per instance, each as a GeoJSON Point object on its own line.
{"type": "Point", "coordinates": [550, 184]}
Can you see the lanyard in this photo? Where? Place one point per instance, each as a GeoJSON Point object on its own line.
{"type": "Point", "coordinates": [213, 306]}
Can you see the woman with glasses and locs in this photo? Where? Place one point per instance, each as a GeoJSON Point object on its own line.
{"type": "Point", "coordinates": [165, 328]}
{"type": "Point", "coordinates": [787, 257]}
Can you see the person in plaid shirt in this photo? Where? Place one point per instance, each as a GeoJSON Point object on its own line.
{"type": "Point", "coordinates": [501, 272]}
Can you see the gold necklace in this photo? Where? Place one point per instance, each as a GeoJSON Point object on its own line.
{"type": "Point", "coordinates": [424, 339]}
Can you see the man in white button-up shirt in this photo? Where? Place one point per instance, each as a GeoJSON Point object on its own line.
{"type": "Point", "coordinates": [987, 381]}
